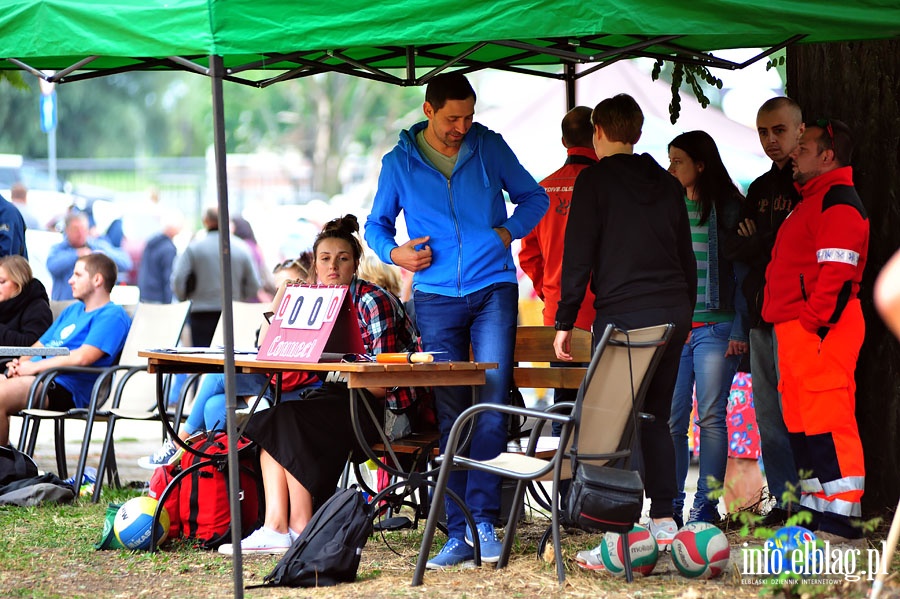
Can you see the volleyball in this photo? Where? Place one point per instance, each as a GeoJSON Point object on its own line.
{"type": "Point", "coordinates": [700, 550]}
{"type": "Point", "coordinates": [781, 550]}
{"type": "Point", "coordinates": [134, 520]}
{"type": "Point", "coordinates": [642, 548]}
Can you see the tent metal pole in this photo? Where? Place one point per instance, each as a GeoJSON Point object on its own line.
{"type": "Point", "coordinates": [569, 70]}
{"type": "Point", "coordinates": [216, 75]}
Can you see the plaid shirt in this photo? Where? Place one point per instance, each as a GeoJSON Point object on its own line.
{"type": "Point", "coordinates": [385, 327]}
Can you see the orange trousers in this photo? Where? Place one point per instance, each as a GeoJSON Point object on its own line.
{"type": "Point", "coordinates": [819, 406]}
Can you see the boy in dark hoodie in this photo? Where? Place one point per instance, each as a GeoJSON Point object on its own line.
{"type": "Point", "coordinates": [628, 234]}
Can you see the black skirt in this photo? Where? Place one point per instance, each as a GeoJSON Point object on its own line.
{"type": "Point", "coordinates": [313, 438]}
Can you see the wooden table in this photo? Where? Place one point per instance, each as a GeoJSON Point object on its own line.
{"type": "Point", "coordinates": [357, 375]}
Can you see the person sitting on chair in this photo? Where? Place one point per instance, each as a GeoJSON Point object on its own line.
{"type": "Point", "coordinates": [24, 306]}
{"type": "Point", "coordinates": [94, 331]}
{"type": "Point", "coordinates": [305, 444]}
{"type": "Point", "coordinates": [208, 409]}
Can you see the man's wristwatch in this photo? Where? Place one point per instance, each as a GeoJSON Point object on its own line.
{"type": "Point", "coordinates": [563, 326]}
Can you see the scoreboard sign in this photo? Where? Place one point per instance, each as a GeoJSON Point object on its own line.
{"type": "Point", "coordinates": [312, 319]}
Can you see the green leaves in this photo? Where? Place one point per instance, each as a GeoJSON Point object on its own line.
{"type": "Point", "coordinates": [694, 75]}
{"type": "Point", "coordinates": [775, 62]}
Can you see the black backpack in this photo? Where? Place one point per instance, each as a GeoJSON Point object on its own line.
{"type": "Point", "coordinates": [328, 550]}
{"type": "Point", "coordinates": [15, 465]}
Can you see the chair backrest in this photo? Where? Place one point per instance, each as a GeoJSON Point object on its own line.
{"type": "Point", "coordinates": [247, 318]}
{"type": "Point", "coordinates": [153, 326]}
{"type": "Point", "coordinates": [609, 399]}
{"type": "Point", "coordinates": [57, 306]}
{"type": "Point", "coordinates": [125, 295]}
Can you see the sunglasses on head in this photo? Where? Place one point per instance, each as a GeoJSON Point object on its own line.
{"type": "Point", "coordinates": [291, 263]}
{"type": "Point", "coordinates": [826, 125]}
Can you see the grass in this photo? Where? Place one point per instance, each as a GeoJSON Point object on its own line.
{"type": "Point", "coordinates": [48, 553]}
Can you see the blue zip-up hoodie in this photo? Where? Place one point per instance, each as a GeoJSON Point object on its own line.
{"type": "Point", "coordinates": [459, 214]}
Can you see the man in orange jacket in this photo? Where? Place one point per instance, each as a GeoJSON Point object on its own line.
{"type": "Point", "coordinates": [541, 255]}
{"type": "Point", "coordinates": [811, 296]}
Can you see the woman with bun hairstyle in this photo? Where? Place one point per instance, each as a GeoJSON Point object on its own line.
{"type": "Point", "coordinates": [24, 306]}
{"type": "Point", "coordinates": [304, 444]}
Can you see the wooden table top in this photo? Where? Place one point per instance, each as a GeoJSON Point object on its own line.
{"type": "Point", "coordinates": [357, 374]}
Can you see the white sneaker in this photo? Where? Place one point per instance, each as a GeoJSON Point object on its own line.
{"type": "Point", "coordinates": [294, 535]}
{"type": "Point", "coordinates": [242, 415]}
{"type": "Point", "coordinates": [589, 559]}
{"type": "Point", "coordinates": [168, 454]}
{"type": "Point", "coordinates": [664, 533]}
{"type": "Point", "coordinates": [262, 541]}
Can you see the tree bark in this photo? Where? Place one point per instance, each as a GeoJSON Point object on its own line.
{"type": "Point", "coordinates": [859, 83]}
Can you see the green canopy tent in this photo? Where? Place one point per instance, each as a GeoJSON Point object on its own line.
{"type": "Point", "coordinates": [404, 42]}
{"type": "Point", "coordinates": [395, 41]}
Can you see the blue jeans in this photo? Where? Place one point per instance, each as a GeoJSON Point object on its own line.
{"type": "Point", "coordinates": [208, 410]}
{"type": "Point", "coordinates": [778, 458]}
{"type": "Point", "coordinates": [486, 320]}
{"type": "Point", "coordinates": [703, 362]}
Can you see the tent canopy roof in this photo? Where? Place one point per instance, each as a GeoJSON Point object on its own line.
{"type": "Point", "coordinates": [364, 38]}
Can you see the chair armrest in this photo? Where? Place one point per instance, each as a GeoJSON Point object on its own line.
{"type": "Point", "coordinates": [471, 412]}
{"type": "Point", "coordinates": [38, 390]}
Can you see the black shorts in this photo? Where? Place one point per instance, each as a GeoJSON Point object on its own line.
{"type": "Point", "coordinates": [59, 398]}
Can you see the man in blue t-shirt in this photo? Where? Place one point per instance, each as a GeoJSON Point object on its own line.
{"type": "Point", "coordinates": [94, 331]}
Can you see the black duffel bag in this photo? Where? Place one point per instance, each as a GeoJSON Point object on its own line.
{"type": "Point", "coordinates": [602, 498]}
{"type": "Point", "coordinates": [15, 465]}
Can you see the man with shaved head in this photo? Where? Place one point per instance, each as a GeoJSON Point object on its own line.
{"type": "Point", "coordinates": [770, 199]}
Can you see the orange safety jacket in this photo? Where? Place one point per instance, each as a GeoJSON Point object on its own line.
{"type": "Point", "coordinates": [819, 255]}
{"type": "Point", "coordinates": [541, 255]}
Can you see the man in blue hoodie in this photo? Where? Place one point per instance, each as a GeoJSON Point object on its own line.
{"type": "Point", "coordinates": [448, 174]}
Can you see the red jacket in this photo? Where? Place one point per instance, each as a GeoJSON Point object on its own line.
{"type": "Point", "coordinates": [541, 255]}
{"type": "Point", "coordinates": [819, 254]}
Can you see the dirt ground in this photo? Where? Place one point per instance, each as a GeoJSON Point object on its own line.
{"type": "Point", "coordinates": [69, 567]}
{"type": "Point", "coordinates": [48, 553]}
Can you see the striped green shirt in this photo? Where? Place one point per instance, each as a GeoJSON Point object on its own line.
{"type": "Point", "coordinates": [700, 243]}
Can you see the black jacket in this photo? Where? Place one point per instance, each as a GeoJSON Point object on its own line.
{"type": "Point", "coordinates": [770, 199]}
{"type": "Point", "coordinates": [628, 232]}
{"type": "Point", "coordinates": [24, 318]}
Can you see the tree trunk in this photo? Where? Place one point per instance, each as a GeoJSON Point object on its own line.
{"type": "Point", "coordinates": [858, 83]}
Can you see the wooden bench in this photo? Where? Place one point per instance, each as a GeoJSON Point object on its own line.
{"type": "Point", "coordinates": [534, 346]}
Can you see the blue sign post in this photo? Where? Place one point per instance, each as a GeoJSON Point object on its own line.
{"type": "Point", "coordinates": [48, 112]}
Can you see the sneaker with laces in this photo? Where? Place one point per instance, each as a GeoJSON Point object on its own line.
{"type": "Point", "coordinates": [89, 477]}
{"type": "Point", "coordinates": [706, 513]}
{"type": "Point", "coordinates": [454, 553]}
{"type": "Point", "coordinates": [664, 533]}
{"type": "Point", "coordinates": [487, 537]}
{"type": "Point", "coordinates": [589, 559]}
{"type": "Point", "coordinates": [262, 541]}
{"type": "Point", "coordinates": [169, 453]}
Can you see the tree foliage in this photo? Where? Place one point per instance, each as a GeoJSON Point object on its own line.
{"type": "Point", "coordinates": [692, 75]}
{"type": "Point", "coordinates": [170, 114]}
